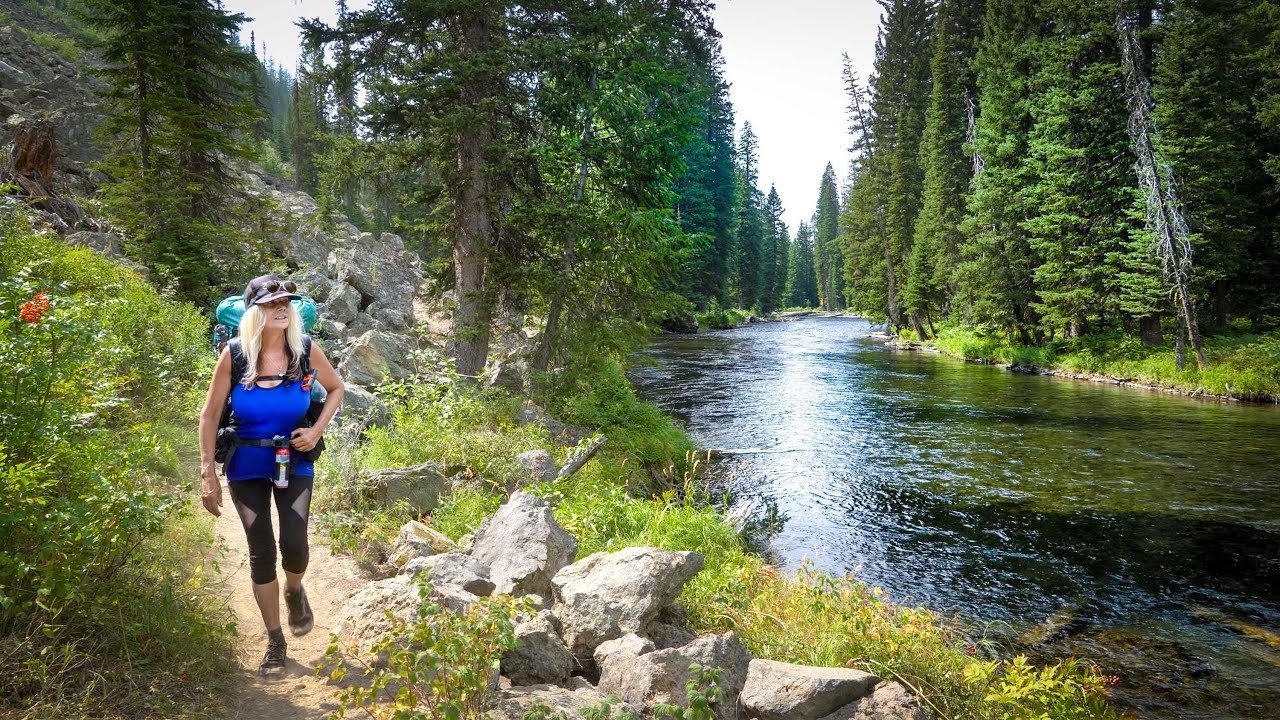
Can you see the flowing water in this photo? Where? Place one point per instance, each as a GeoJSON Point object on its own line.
{"type": "Point", "coordinates": [1140, 530]}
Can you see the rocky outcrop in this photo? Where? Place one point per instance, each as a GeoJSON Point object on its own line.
{"type": "Point", "coordinates": [567, 702]}
{"type": "Point", "coordinates": [416, 540]}
{"type": "Point", "coordinates": [607, 595]}
{"type": "Point", "coordinates": [452, 568]}
{"type": "Point", "coordinates": [419, 485]}
{"type": "Point", "coordinates": [538, 465]}
{"type": "Point", "coordinates": [783, 691]}
{"type": "Point", "coordinates": [889, 701]}
{"type": "Point", "coordinates": [633, 670]}
{"type": "Point", "coordinates": [523, 546]}
{"type": "Point", "coordinates": [541, 657]}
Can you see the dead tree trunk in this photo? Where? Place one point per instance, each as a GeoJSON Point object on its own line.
{"type": "Point", "coordinates": [1165, 217]}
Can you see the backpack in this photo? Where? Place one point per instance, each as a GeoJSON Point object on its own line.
{"type": "Point", "coordinates": [227, 438]}
{"type": "Point", "coordinates": [231, 310]}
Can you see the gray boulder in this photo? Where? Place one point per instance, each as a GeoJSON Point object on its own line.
{"type": "Point", "coordinates": [541, 656]}
{"type": "Point", "coordinates": [523, 546]}
{"type": "Point", "coordinates": [417, 541]}
{"type": "Point", "coordinates": [890, 701]}
{"type": "Point", "coordinates": [538, 465]}
{"type": "Point", "coordinates": [564, 434]}
{"type": "Point", "coordinates": [515, 703]}
{"type": "Point", "coordinates": [381, 269]}
{"type": "Point", "coordinates": [360, 405]}
{"type": "Point", "coordinates": [634, 671]}
{"type": "Point", "coordinates": [418, 485]}
{"type": "Point", "coordinates": [342, 303]}
{"type": "Point", "coordinates": [783, 691]}
{"type": "Point", "coordinates": [452, 568]}
{"type": "Point", "coordinates": [106, 244]}
{"type": "Point", "coordinates": [363, 620]}
{"type": "Point", "coordinates": [507, 375]}
{"type": "Point", "coordinates": [607, 595]}
{"type": "Point", "coordinates": [376, 356]}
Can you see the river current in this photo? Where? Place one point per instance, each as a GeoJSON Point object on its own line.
{"type": "Point", "coordinates": [1136, 529]}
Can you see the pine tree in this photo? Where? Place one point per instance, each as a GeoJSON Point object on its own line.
{"type": "Point", "coordinates": [772, 273]}
{"type": "Point", "coordinates": [935, 247]}
{"type": "Point", "coordinates": [827, 250]}
{"type": "Point", "coordinates": [178, 121]}
{"type": "Point", "coordinates": [995, 278]}
{"type": "Point", "coordinates": [802, 285]}
{"type": "Point", "coordinates": [751, 222]}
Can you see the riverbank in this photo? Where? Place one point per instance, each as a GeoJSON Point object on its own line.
{"type": "Point", "coordinates": [1242, 368]}
{"type": "Point", "coordinates": [645, 490]}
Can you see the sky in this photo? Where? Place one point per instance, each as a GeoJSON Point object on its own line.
{"type": "Point", "coordinates": [782, 60]}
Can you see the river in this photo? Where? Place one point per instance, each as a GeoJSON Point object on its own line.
{"type": "Point", "coordinates": [1137, 529]}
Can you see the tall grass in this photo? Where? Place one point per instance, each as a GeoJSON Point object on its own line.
{"type": "Point", "coordinates": [1245, 366]}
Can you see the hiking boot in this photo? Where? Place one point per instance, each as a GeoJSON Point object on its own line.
{"type": "Point", "coordinates": [300, 617]}
{"type": "Point", "coordinates": [273, 661]}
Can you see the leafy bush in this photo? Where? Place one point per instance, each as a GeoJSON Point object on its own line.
{"type": "Point", "coordinates": [62, 47]}
{"type": "Point", "coordinates": [718, 318]}
{"type": "Point", "coordinates": [98, 370]}
{"type": "Point", "coordinates": [438, 666]}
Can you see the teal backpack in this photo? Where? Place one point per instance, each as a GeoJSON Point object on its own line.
{"type": "Point", "coordinates": [231, 309]}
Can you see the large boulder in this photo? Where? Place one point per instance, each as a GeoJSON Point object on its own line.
{"type": "Point", "coordinates": [607, 595]}
{"type": "Point", "coordinates": [361, 406]}
{"type": "Point", "coordinates": [418, 485]}
{"type": "Point", "coordinates": [381, 270]}
{"type": "Point", "coordinates": [414, 541]}
{"type": "Point", "coordinates": [363, 620]}
{"type": "Point", "coordinates": [635, 672]}
{"type": "Point", "coordinates": [452, 568]}
{"type": "Point", "coordinates": [377, 356]}
{"type": "Point", "coordinates": [341, 304]}
{"type": "Point", "coordinates": [507, 375]}
{"type": "Point", "coordinates": [541, 657]}
{"type": "Point", "coordinates": [523, 546]}
{"type": "Point", "coordinates": [890, 701]}
{"type": "Point", "coordinates": [783, 691]}
{"type": "Point", "coordinates": [564, 434]}
{"type": "Point", "coordinates": [538, 465]}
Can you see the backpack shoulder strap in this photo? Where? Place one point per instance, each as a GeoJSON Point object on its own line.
{"type": "Point", "coordinates": [304, 362]}
{"type": "Point", "coordinates": [238, 361]}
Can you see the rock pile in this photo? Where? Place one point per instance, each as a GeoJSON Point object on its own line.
{"type": "Point", "coordinates": [605, 618]}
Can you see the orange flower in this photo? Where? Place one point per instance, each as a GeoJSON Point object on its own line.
{"type": "Point", "coordinates": [34, 309]}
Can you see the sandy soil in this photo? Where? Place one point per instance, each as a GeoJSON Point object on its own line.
{"type": "Point", "coordinates": [298, 694]}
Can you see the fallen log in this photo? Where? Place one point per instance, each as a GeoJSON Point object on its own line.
{"type": "Point", "coordinates": [582, 458]}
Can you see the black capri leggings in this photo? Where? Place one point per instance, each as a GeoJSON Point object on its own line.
{"type": "Point", "coordinates": [252, 499]}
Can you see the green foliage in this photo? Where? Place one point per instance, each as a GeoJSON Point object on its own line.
{"type": "Point", "coordinates": [437, 666]}
{"type": "Point", "coordinates": [721, 318]}
{"type": "Point", "coordinates": [1069, 690]}
{"type": "Point", "coordinates": [607, 710]}
{"type": "Point", "coordinates": [64, 48]}
{"type": "Point", "coordinates": [94, 546]}
{"type": "Point", "coordinates": [701, 690]}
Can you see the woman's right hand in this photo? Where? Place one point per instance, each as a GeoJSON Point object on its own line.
{"type": "Point", "coordinates": [211, 494]}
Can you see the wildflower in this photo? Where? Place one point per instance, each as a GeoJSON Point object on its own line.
{"type": "Point", "coordinates": [1111, 680]}
{"type": "Point", "coordinates": [970, 650]}
{"type": "Point", "coordinates": [34, 309]}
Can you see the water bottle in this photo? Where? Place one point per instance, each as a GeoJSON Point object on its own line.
{"type": "Point", "coordinates": [281, 479]}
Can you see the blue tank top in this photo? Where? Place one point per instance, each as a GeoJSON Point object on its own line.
{"type": "Point", "coordinates": [261, 414]}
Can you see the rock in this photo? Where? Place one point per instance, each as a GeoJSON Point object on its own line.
{"type": "Point", "coordinates": [360, 405]}
{"type": "Point", "coordinates": [632, 670]}
{"type": "Point", "coordinates": [417, 541]}
{"type": "Point", "coordinates": [418, 485]}
{"type": "Point", "coordinates": [783, 691]}
{"type": "Point", "coordinates": [607, 595]}
{"type": "Point", "coordinates": [506, 375]}
{"type": "Point", "coordinates": [393, 318]}
{"type": "Point", "coordinates": [890, 701]}
{"type": "Point", "coordinates": [376, 356]}
{"type": "Point", "coordinates": [666, 635]}
{"type": "Point", "coordinates": [342, 303]}
{"type": "Point", "coordinates": [381, 270]}
{"type": "Point", "coordinates": [452, 568]}
{"type": "Point", "coordinates": [541, 657]}
{"type": "Point", "coordinates": [516, 703]}
{"type": "Point", "coordinates": [539, 465]}
{"type": "Point", "coordinates": [314, 284]}
{"type": "Point", "coordinates": [523, 546]}
{"type": "Point", "coordinates": [106, 244]}
{"type": "Point", "coordinates": [531, 414]}
{"type": "Point", "coordinates": [363, 620]}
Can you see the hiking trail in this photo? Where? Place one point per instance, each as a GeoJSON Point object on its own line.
{"type": "Point", "coordinates": [330, 581]}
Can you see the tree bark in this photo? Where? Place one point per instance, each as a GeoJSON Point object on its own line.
{"type": "Point", "coordinates": [473, 217]}
{"type": "Point", "coordinates": [1152, 335]}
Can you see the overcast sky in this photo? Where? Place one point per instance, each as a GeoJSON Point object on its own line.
{"type": "Point", "coordinates": [782, 60]}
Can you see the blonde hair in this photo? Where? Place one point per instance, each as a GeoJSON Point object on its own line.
{"type": "Point", "coordinates": [251, 326]}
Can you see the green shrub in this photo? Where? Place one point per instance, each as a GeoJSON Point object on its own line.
{"type": "Point", "coordinates": [437, 666]}
{"type": "Point", "coordinates": [62, 47]}
{"type": "Point", "coordinates": [718, 318]}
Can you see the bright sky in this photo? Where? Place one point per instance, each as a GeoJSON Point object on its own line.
{"type": "Point", "coordinates": [782, 60]}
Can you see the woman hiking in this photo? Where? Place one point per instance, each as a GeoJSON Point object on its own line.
{"type": "Point", "coordinates": [270, 455]}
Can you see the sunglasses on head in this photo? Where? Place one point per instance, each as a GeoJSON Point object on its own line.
{"type": "Point", "coordinates": [275, 286]}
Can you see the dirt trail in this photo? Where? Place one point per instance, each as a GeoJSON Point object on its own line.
{"type": "Point", "coordinates": [330, 581]}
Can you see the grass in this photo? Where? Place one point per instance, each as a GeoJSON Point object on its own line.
{"type": "Point", "coordinates": [612, 503]}
{"type": "Point", "coordinates": [1245, 366]}
{"type": "Point", "coordinates": [64, 48]}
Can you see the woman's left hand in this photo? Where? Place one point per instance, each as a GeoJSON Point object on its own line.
{"type": "Point", "coordinates": [304, 439]}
